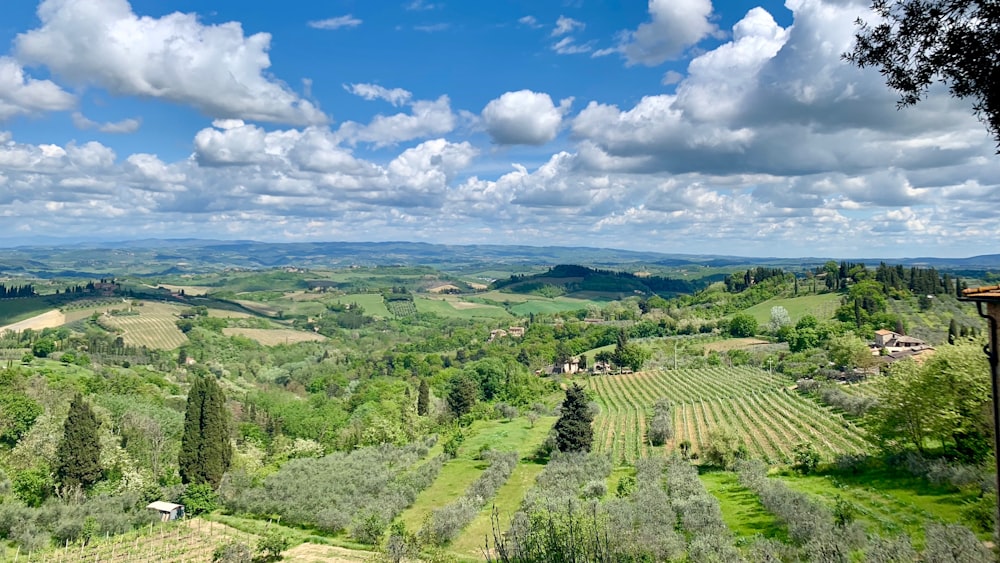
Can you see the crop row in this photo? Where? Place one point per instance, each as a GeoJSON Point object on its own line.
{"type": "Point", "coordinates": [177, 541]}
{"type": "Point", "coordinates": [153, 331]}
{"type": "Point", "coordinates": [769, 419]}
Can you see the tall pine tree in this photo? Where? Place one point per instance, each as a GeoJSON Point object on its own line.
{"type": "Point", "coordinates": [573, 430]}
{"type": "Point", "coordinates": [205, 449]}
{"type": "Point", "coordinates": [423, 398]}
{"type": "Point", "coordinates": [78, 456]}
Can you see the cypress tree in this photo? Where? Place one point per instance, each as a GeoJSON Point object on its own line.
{"type": "Point", "coordinates": [952, 331]}
{"type": "Point", "coordinates": [462, 396]}
{"type": "Point", "coordinates": [573, 430]}
{"type": "Point", "coordinates": [423, 398]}
{"type": "Point", "coordinates": [205, 449]}
{"type": "Point", "coordinates": [78, 456]}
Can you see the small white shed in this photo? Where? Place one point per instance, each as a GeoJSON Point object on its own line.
{"type": "Point", "coordinates": [168, 510]}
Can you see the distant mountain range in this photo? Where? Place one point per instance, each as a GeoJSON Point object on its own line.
{"type": "Point", "coordinates": [175, 256]}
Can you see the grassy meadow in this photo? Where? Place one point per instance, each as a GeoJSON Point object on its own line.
{"type": "Point", "coordinates": [822, 306]}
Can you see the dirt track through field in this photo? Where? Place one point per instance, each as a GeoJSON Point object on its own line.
{"type": "Point", "coordinates": [50, 319]}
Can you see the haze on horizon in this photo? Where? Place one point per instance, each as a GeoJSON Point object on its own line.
{"type": "Point", "coordinates": [677, 126]}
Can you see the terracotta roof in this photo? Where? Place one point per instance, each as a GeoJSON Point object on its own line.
{"type": "Point", "coordinates": [987, 293]}
{"type": "Point", "coordinates": [883, 331]}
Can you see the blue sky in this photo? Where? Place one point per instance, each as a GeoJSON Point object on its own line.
{"type": "Point", "coordinates": [673, 125]}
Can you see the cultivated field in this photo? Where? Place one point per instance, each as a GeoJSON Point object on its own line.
{"type": "Point", "coordinates": [769, 418]}
{"type": "Point", "coordinates": [192, 290]}
{"type": "Point", "coordinates": [50, 319]}
{"type": "Point", "coordinates": [153, 327]}
{"type": "Point", "coordinates": [190, 540]}
{"type": "Point", "coordinates": [273, 337]}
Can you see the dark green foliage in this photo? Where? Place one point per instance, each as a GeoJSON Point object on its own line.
{"type": "Point", "coordinates": [78, 456]}
{"type": "Point", "coordinates": [423, 398]}
{"type": "Point", "coordinates": [43, 347]}
{"type": "Point", "coordinates": [952, 331]}
{"type": "Point", "coordinates": [569, 278]}
{"type": "Point", "coordinates": [199, 498]}
{"type": "Point", "coordinates": [33, 486]}
{"type": "Point", "coordinates": [742, 325]}
{"type": "Point", "coordinates": [573, 429]}
{"type": "Point", "coordinates": [462, 395]}
{"type": "Point", "coordinates": [205, 448]}
{"type": "Point", "coordinates": [17, 415]}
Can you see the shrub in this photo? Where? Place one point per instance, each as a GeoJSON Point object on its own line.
{"type": "Point", "coordinates": [890, 550]}
{"type": "Point", "coordinates": [805, 458]}
{"type": "Point", "coordinates": [271, 544]}
{"type": "Point", "coordinates": [944, 541]}
{"type": "Point", "coordinates": [369, 527]}
{"type": "Point", "coordinates": [454, 443]}
{"type": "Point", "coordinates": [232, 552]}
{"type": "Point", "coordinates": [199, 499]}
{"type": "Point", "coordinates": [661, 426]}
{"type": "Point", "coordinates": [595, 489]}
{"type": "Point", "coordinates": [724, 448]}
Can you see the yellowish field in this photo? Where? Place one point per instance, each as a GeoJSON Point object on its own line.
{"type": "Point", "coordinates": [49, 319]}
{"type": "Point", "coordinates": [311, 553]}
{"type": "Point", "coordinates": [273, 337]}
{"type": "Point", "coordinates": [193, 290]}
{"type": "Point", "coordinates": [445, 287]}
{"type": "Point", "coordinates": [154, 327]}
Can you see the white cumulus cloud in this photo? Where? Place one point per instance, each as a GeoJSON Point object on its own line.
{"type": "Point", "coordinates": [21, 94]}
{"type": "Point", "coordinates": [524, 118]}
{"type": "Point", "coordinates": [674, 26]}
{"type": "Point", "coordinates": [214, 68]}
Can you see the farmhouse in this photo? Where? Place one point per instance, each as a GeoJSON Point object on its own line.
{"type": "Point", "coordinates": [570, 367]}
{"type": "Point", "coordinates": [497, 334]}
{"type": "Point", "coordinates": [515, 331]}
{"type": "Point", "coordinates": [892, 341]}
{"type": "Point", "coordinates": [892, 346]}
{"type": "Point", "coordinates": [168, 510]}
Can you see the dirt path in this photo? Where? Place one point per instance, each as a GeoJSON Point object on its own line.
{"type": "Point", "coordinates": [50, 319]}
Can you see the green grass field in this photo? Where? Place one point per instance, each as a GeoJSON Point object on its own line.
{"type": "Point", "coordinates": [14, 310]}
{"type": "Point", "coordinates": [371, 302]}
{"type": "Point", "coordinates": [527, 304]}
{"type": "Point", "coordinates": [507, 501]}
{"type": "Point", "coordinates": [457, 474]}
{"type": "Point", "coordinates": [741, 508]}
{"type": "Point", "coordinates": [459, 309]}
{"type": "Point", "coordinates": [454, 478]}
{"type": "Point", "coordinates": [821, 306]}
